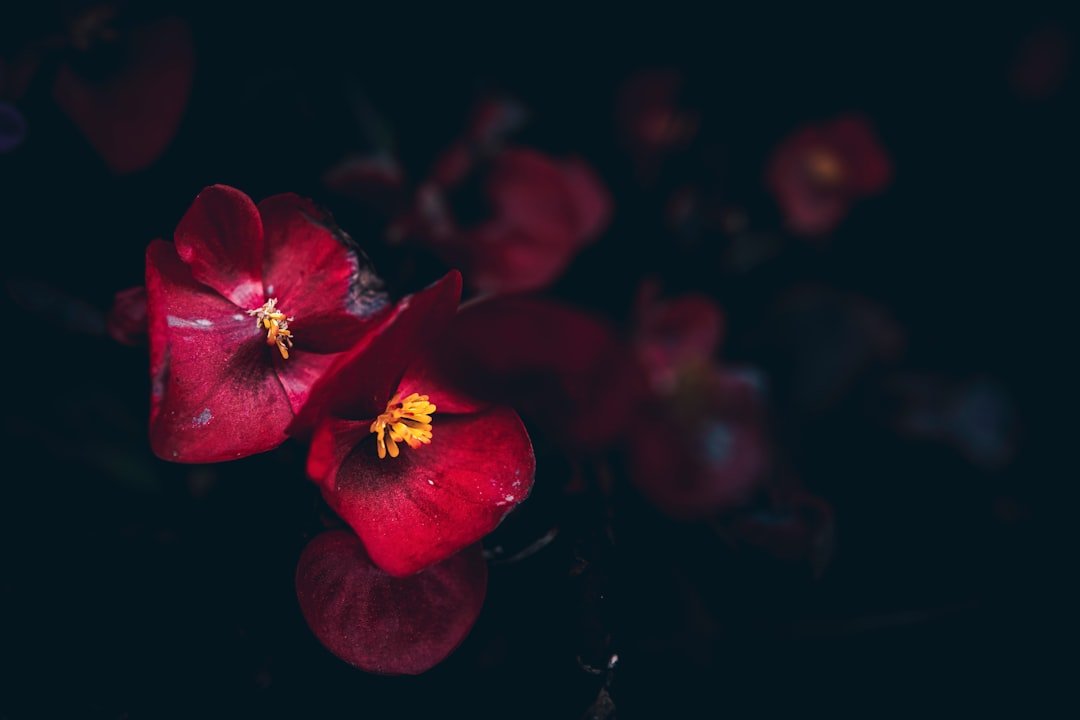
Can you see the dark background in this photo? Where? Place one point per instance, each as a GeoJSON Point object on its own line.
{"type": "Point", "coordinates": [134, 588]}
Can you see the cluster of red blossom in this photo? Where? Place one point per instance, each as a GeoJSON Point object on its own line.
{"type": "Point", "coordinates": [265, 323]}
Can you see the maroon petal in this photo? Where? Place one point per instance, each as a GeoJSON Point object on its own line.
{"type": "Point", "coordinates": [300, 372]}
{"type": "Point", "coordinates": [131, 117]}
{"type": "Point", "coordinates": [385, 624]}
{"type": "Point", "coordinates": [314, 277]}
{"type": "Point", "coordinates": [414, 510]}
{"type": "Point", "coordinates": [855, 140]}
{"type": "Point", "coordinates": [504, 258]}
{"type": "Point", "coordinates": [126, 322]}
{"type": "Point", "coordinates": [558, 366]}
{"type": "Point", "coordinates": [221, 238]}
{"type": "Point", "coordinates": [702, 451]}
{"type": "Point", "coordinates": [215, 394]}
{"type": "Point", "coordinates": [677, 333]}
{"type": "Point", "coordinates": [360, 381]}
{"type": "Point", "coordinates": [588, 196]}
{"type": "Point", "coordinates": [529, 189]}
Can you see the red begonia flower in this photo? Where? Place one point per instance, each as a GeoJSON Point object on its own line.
{"type": "Point", "coordinates": [818, 172]}
{"type": "Point", "coordinates": [386, 624]}
{"type": "Point", "coordinates": [563, 369]}
{"type": "Point", "coordinates": [126, 322]}
{"type": "Point", "coordinates": [245, 311]}
{"type": "Point", "coordinates": [131, 113]}
{"type": "Point", "coordinates": [537, 213]}
{"type": "Point", "coordinates": [700, 450]}
{"type": "Point", "coordinates": [415, 488]}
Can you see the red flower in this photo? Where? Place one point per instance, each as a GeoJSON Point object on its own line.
{"type": "Point", "coordinates": [416, 487]}
{"type": "Point", "coordinates": [817, 173]}
{"type": "Point", "coordinates": [701, 449]}
{"type": "Point", "coordinates": [129, 113]}
{"type": "Point", "coordinates": [536, 214]}
{"type": "Point", "coordinates": [697, 446]}
{"type": "Point", "coordinates": [676, 335]}
{"type": "Point", "coordinates": [386, 624]}
{"type": "Point", "coordinates": [246, 310]}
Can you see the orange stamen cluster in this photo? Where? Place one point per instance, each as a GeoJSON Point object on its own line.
{"type": "Point", "coordinates": [407, 421]}
{"type": "Point", "coordinates": [269, 318]}
{"type": "Point", "coordinates": [825, 167]}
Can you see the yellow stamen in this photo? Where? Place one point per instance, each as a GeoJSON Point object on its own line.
{"type": "Point", "coordinates": [269, 318]}
{"type": "Point", "coordinates": [825, 167]}
{"type": "Point", "coordinates": [407, 421]}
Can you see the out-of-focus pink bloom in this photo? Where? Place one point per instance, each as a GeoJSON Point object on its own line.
{"type": "Point", "coordinates": [818, 172]}
{"type": "Point", "coordinates": [650, 119]}
{"type": "Point", "coordinates": [700, 449]}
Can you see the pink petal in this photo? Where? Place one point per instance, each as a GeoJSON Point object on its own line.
{"type": "Point", "coordinates": [314, 276]}
{"type": "Point", "coordinates": [215, 394]}
{"type": "Point", "coordinates": [385, 624]}
{"type": "Point", "coordinates": [423, 506]}
{"type": "Point", "coordinates": [221, 238]}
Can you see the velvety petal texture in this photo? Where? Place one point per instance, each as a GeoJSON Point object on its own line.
{"type": "Point", "coordinates": [220, 238]}
{"type": "Point", "coordinates": [222, 387]}
{"type": "Point", "coordinates": [301, 254]}
{"type": "Point", "coordinates": [386, 624]}
{"type": "Point", "coordinates": [215, 393]}
{"type": "Point", "coordinates": [414, 510]}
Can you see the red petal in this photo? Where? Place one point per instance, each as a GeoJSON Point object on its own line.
{"type": "Point", "coordinates": [504, 258]}
{"type": "Point", "coordinates": [314, 276]}
{"type": "Point", "coordinates": [221, 238]}
{"type": "Point", "coordinates": [360, 381]}
{"type": "Point", "coordinates": [127, 322]}
{"type": "Point", "coordinates": [215, 394]}
{"type": "Point", "coordinates": [529, 189]}
{"type": "Point", "coordinates": [384, 624]}
{"type": "Point", "coordinates": [414, 510]}
{"type": "Point", "coordinates": [590, 199]}
{"type": "Point", "coordinates": [557, 365]}
{"type": "Point", "coordinates": [854, 139]}
{"type": "Point", "coordinates": [131, 118]}
{"type": "Point", "coordinates": [677, 333]}
{"type": "Point", "coordinates": [300, 372]}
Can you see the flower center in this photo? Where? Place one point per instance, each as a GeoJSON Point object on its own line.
{"type": "Point", "coordinates": [824, 167]}
{"type": "Point", "coordinates": [407, 421]}
{"type": "Point", "coordinates": [269, 318]}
